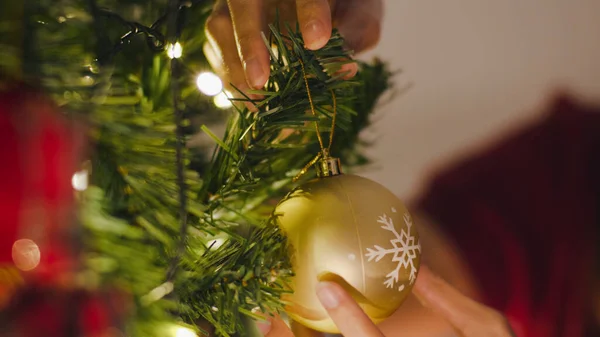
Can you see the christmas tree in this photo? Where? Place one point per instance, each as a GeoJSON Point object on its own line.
{"type": "Point", "coordinates": [187, 233]}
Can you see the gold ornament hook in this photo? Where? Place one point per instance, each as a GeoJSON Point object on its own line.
{"type": "Point", "coordinates": [329, 167]}
{"type": "Point", "coordinates": [326, 166]}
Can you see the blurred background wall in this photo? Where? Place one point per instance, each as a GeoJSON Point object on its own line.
{"type": "Point", "coordinates": [478, 68]}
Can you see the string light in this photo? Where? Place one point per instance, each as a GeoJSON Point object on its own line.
{"type": "Point", "coordinates": [174, 51]}
{"type": "Point", "coordinates": [87, 80]}
{"type": "Point", "coordinates": [185, 332]}
{"type": "Point", "coordinates": [80, 180]}
{"type": "Point", "coordinates": [209, 84]}
{"type": "Point", "coordinates": [222, 100]}
{"type": "Point", "coordinates": [216, 243]}
{"type": "Point", "coordinates": [157, 293]}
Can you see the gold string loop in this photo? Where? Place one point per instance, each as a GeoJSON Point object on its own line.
{"type": "Point", "coordinates": [306, 167]}
{"type": "Point", "coordinates": [333, 98]}
{"type": "Point", "coordinates": [324, 154]}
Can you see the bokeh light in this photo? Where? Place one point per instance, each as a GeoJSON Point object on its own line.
{"type": "Point", "coordinates": [26, 254]}
{"type": "Point", "coordinates": [209, 84]}
{"type": "Point", "coordinates": [216, 243]}
{"type": "Point", "coordinates": [80, 180]}
{"type": "Point", "coordinates": [174, 51]}
{"type": "Point", "coordinates": [185, 332]}
{"type": "Point", "coordinates": [222, 101]}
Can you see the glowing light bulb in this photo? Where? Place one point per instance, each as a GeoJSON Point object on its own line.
{"type": "Point", "coordinates": [209, 83]}
{"type": "Point", "coordinates": [185, 332]}
{"type": "Point", "coordinates": [80, 180]}
{"type": "Point", "coordinates": [174, 51]}
{"type": "Point", "coordinates": [26, 254]}
{"type": "Point", "coordinates": [216, 243]}
{"type": "Point", "coordinates": [157, 293]}
{"type": "Point", "coordinates": [87, 80]}
{"type": "Point", "coordinates": [222, 100]}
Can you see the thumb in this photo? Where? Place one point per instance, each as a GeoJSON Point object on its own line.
{"type": "Point", "coordinates": [464, 314]}
{"type": "Point", "coordinates": [274, 327]}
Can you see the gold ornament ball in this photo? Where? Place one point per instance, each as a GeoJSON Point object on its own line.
{"type": "Point", "coordinates": [351, 230]}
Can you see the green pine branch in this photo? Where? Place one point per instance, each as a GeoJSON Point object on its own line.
{"type": "Point", "coordinates": [236, 260]}
{"type": "Point", "coordinates": [253, 165]}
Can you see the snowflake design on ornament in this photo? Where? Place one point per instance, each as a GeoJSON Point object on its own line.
{"type": "Point", "coordinates": [404, 251]}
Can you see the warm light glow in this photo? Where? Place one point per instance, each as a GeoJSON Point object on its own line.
{"type": "Point", "coordinates": [209, 83]}
{"type": "Point", "coordinates": [87, 80]}
{"type": "Point", "coordinates": [174, 51]}
{"type": "Point", "coordinates": [157, 293]}
{"type": "Point", "coordinates": [185, 332]}
{"type": "Point", "coordinates": [26, 254]}
{"type": "Point", "coordinates": [216, 243]}
{"type": "Point", "coordinates": [80, 180]}
{"type": "Point", "coordinates": [222, 100]}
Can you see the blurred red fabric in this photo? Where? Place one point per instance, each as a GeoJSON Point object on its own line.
{"type": "Point", "coordinates": [12, 177]}
{"type": "Point", "coordinates": [40, 150]}
{"type": "Point", "coordinates": [525, 214]}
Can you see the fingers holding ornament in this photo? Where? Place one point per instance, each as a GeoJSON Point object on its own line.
{"type": "Point", "coordinates": [348, 316]}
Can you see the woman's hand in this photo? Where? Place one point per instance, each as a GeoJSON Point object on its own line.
{"type": "Point", "coordinates": [467, 317]}
{"type": "Point", "coordinates": [236, 49]}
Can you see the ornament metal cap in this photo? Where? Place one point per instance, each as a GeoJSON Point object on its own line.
{"type": "Point", "coordinates": [329, 167]}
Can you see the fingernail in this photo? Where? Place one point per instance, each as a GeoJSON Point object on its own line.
{"type": "Point", "coordinates": [315, 35]}
{"type": "Point", "coordinates": [349, 70]}
{"type": "Point", "coordinates": [255, 74]}
{"type": "Point", "coordinates": [328, 295]}
{"type": "Point", "coordinates": [264, 327]}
